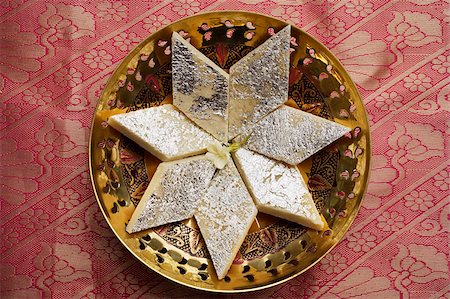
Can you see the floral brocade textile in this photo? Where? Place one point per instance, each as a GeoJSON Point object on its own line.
{"type": "Point", "coordinates": [55, 59]}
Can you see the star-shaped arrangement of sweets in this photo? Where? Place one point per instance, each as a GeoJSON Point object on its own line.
{"type": "Point", "coordinates": [229, 146]}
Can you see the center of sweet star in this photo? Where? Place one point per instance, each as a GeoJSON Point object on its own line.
{"type": "Point", "coordinates": [219, 154]}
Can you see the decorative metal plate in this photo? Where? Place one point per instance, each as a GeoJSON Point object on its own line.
{"type": "Point", "coordinates": [274, 250]}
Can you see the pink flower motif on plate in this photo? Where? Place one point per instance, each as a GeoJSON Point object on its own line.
{"type": "Point", "coordinates": [269, 236]}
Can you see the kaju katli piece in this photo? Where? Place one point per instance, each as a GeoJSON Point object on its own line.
{"type": "Point", "coordinates": [200, 88]}
{"type": "Point", "coordinates": [224, 216]}
{"type": "Point", "coordinates": [259, 82]}
{"type": "Point", "coordinates": [291, 135]}
{"type": "Point", "coordinates": [173, 193]}
{"type": "Point", "coordinates": [163, 131]}
{"type": "Point", "coordinates": [278, 189]}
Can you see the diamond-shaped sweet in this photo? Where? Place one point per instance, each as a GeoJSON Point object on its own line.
{"type": "Point", "coordinates": [259, 82]}
{"type": "Point", "coordinates": [224, 216]}
{"type": "Point", "coordinates": [278, 189]}
{"type": "Point", "coordinates": [173, 193]}
{"type": "Point", "coordinates": [200, 88]}
{"type": "Point", "coordinates": [163, 131]}
{"type": "Point", "coordinates": [291, 135]}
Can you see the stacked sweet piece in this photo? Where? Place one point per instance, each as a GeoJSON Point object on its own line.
{"type": "Point", "coordinates": [252, 142]}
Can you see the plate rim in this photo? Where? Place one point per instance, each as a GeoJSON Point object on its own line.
{"type": "Point", "coordinates": [342, 232]}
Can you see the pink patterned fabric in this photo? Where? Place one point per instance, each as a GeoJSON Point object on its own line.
{"type": "Point", "coordinates": [55, 57]}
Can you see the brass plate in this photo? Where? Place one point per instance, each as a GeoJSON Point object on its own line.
{"type": "Point", "coordinates": [274, 250]}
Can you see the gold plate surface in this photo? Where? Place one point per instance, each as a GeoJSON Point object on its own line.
{"type": "Point", "coordinates": [274, 250]}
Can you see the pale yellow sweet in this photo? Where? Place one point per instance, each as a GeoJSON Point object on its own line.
{"type": "Point", "coordinates": [173, 193]}
{"type": "Point", "coordinates": [259, 82]}
{"type": "Point", "coordinates": [163, 131]}
{"type": "Point", "coordinates": [278, 189]}
{"type": "Point", "coordinates": [224, 216]}
{"type": "Point", "coordinates": [292, 136]}
{"type": "Point", "coordinates": [200, 88]}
